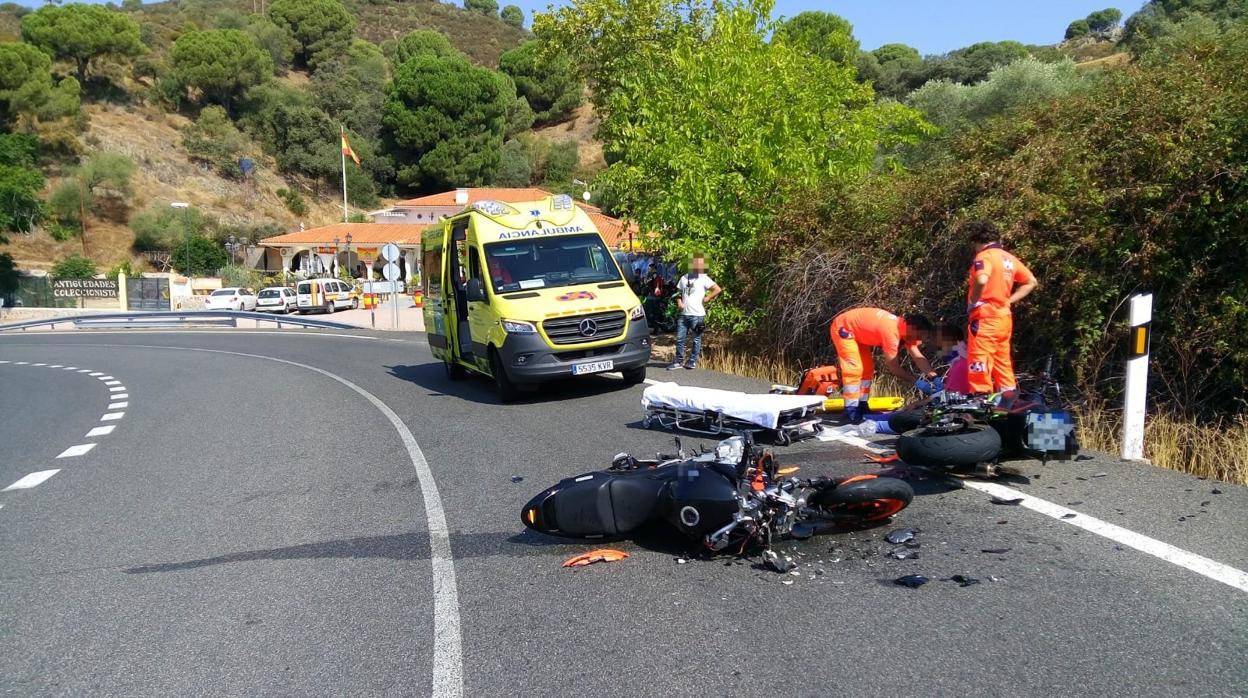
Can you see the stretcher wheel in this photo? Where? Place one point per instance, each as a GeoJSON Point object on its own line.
{"type": "Point", "coordinates": [647, 422]}
{"type": "Point", "coordinates": [783, 438]}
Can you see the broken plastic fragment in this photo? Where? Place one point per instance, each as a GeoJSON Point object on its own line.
{"type": "Point", "coordinates": [995, 551]}
{"type": "Point", "coordinates": [777, 563]}
{"type": "Point", "coordinates": [901, 535]}
{"type": "Point", "coordinates": [964, 580]}
{"type": "Point", "coordinates": [1100, 474]}
{"type": "Point", "coordinates": [1075, 503]}
{"type": "Point", "coordinates": [902, 552]}
{"type": "Point", "coordinates": [599, 555]}
{"type": "Point", "coordinates": [787, 582]}
{"type": "Point", "coordinates": [802, 531]}
{"type": "Point", "coordinates": [1206, 503]}
{"type": "Point", "coordinates": [681, 561]}
{"type": "Point", "coordinates": [1007, 502]}
{"type": "Point", "coordinates": [914, 581]}
{"type": "Point", "coordinates": [1068, 516]}
{"type": "Point", "coordinates": [516, 478]}
{"type": "Point", "coordinates": [1215, 491]}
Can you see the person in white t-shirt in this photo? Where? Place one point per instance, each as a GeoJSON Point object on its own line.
{"type": "Point", "coordinates": [696, 289]}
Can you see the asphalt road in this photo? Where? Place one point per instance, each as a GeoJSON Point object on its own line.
{"type": "Point", "coordinates": [263, 519]}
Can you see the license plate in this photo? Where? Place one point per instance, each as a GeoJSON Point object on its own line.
{"type": "Point", "coordinates": [595, 367]}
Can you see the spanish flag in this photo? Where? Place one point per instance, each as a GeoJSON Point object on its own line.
{"type": "Point", "coordinates": [346, 149]}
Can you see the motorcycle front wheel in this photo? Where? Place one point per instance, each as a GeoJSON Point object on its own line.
{"type": "Point", "coordinates": [861, 500]}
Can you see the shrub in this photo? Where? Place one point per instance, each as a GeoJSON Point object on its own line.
{"type": "Point", "coordinates": [163, 228]}
{"type": "Point", "coordinates": [213, 139]}
{"type": "Point", "coordinates": [293, 201]}
{"type": "Point", "coordinates": [68, 202]}
{"type": "Point", "coordinates": [73, 267]}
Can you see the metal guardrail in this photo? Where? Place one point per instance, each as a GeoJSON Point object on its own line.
{"type": "Point", "coordinates": [192, 318]}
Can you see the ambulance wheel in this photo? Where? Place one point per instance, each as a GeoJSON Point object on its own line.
{"type": "Point", "coordinates": [507, 391]}
{"type": "Point", "coordinates": [949, 448]}
{"type": "Point", "coordinates": [633, 376]}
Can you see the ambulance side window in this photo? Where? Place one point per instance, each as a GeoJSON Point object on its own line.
{"type": "Point", "coordinates": [432, 277]}
{"type": "Point", "coordinates": [474, 264]}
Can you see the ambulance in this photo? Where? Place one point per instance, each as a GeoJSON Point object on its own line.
{"type": "Point", "coordinates": [528, 292]}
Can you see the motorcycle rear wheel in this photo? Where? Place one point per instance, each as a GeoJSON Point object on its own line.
{"type": "Point", "coordinates": [862, 499]}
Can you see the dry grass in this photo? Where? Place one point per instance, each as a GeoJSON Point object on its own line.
{"type": "Point", "coordinates": [1216, 451]}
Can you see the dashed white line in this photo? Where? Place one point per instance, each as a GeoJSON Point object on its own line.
{"type": "Point", "coordinates": [105, 378]}
{"type": "Point", "coordinates": [121, 396]}
{"type": "Point", "coordinates": [101, 431]}
{"type": "Point", "coordinates": [112, 382]}
{"type": "Point", "coordinates": [93, 374]}
{"type": "Point", "coordinates": [117, 388]}
{"type": "Point", "coordinates": [4, 362]}
{"type": "Point", "coordinates": [118, 405]}
{"type": "Point", "coordinates": [56, 366]}
{"type": "Point", "coordinates": [112, 416]}
{"type": "Point", "coordinates": [84, 370]}
{"type": "Point", "coordinates": [22, 363]}
{"type": "Point", "coordinates": [75, 451]}
{"type": "Point", "coordinates": [70, 368]}
{"type": "Point", "coordinates": [38, 364]}
{"type": "Point", "coordinates": [31, 480]}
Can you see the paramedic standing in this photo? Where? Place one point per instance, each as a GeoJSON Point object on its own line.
{"type": "Point", "coordinates": [855, 333]}
{"type": "Point", "coordinates": [695, 290]}
{"type": "Point", "coordinates": [997, 281]}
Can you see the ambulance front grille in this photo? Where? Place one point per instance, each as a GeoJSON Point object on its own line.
{"type": "Point", "coordinates": [578, 329]}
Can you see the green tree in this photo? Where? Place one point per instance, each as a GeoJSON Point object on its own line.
{"type": "Point", "coordinates": [20, 207]}
{"type": "Point", "coordinates": [81, 33]}
{"type": "Point", "coordinates": [108, 173]}
{"type": "Point", "coordinates": [1104, 20]}
{"type": "Point", "coordinates": [513, 16]}
{"type": "Point", "coordinates": [73, 267]}
{"type": "Point", "coordinates": [69, 202]}
{"type": "Point", "coordinates": [27, 89]}
{"type": "Point", "coordinates": [549, 83]}
{"type": "Point", "coordinates": [485, 7]}
{"type": "Point", "coordinates": [514, 168]}
{"type": "Point", "coordinates": [221, 63]}
{"type": "Point", "coordinates": [350, 88]}
{"type": "Point", "coordinates": [213, 139]}
{"type": "Point", "coordinates": [274, 41]}
{"type": "Point", "coordinates": [612, 39]}
{"type": "Point", "coordinates": [163, 228]}
{"type": "Point", "coordinates": [199, 257]}
{"type": "Point", "coordinates": [703, 153]}
{"type": "Point", "coordinates": [972, 64]}
{"type": "Point", "coordinates": [1078, 28]}
{"type": "Point", "coordinates": [829, 36]}
{"type": "Point", "coordinates": [422, 42]}
{"type": "Point", "coordinates": [519, 116]}
{"type": "Point", "coordinates": [316, 26]}
{"type": "Point", "coordinates": [446, 118]}
{"type": "Point", "coordinates": [900, 70]}
{"type": "Point", "coordinates": [131, 5]}
{"type": "Point", "coordinates": [561, 163]}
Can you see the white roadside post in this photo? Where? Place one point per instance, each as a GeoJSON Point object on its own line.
{"type": "Point", "coordinates": [390, 252]}
{"type": "Point", "coordinates": [1134, 407]}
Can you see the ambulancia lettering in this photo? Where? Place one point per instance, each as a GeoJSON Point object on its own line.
{"type": "Point", "coordinates": [516, 234]}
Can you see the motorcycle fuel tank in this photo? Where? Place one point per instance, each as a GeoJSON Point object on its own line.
{"type": "Point", "coordinates": [700, 499]}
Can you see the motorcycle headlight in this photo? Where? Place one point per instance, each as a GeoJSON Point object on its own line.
{"type": "Point", "coordinates": [518, 327]}
{"type": "Point", "coordinates": [637, 313]}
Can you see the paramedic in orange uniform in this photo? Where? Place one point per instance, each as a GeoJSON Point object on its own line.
{"type": "Point", "coordinates": [997, 281]}
{"type": "Point", "coordinates": [856, 332]}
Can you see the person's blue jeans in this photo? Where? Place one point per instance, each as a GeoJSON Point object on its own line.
{"type": "Point", "coordinates": [689, 324]}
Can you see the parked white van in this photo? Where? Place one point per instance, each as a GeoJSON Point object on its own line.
{"type": "Point", "coordinates": [325, 295]}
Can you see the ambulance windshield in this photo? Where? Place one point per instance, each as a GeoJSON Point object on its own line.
{"type": "Point", "coordinates": [547, 262]}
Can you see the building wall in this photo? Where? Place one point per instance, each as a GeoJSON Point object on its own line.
{"type": "Point", "coordinates": [420, 215]}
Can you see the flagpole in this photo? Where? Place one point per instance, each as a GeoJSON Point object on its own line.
{"type": "Point", "coordinates": [342, 139]}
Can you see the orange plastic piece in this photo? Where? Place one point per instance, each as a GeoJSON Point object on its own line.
{"type": "Point", "coordinates": [599, 555]}
{"type": "Point", "coordinates": [890, 458]}
{"type": "Point", "coordinates": [788, 471]}
{"type": "Point", "coordinates": [856, 478]}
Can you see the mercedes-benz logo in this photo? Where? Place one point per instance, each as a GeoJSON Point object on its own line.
{"type": "Point", "coordinates": [589, 328]}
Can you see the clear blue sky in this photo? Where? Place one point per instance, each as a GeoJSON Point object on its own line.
{"type": "Point", "coordinates": [932, 26]}
{"type": "Point", "coordinates": [938, 26]}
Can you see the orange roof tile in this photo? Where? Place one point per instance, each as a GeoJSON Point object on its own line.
{"type": "Point", "coordinates": [361, 234]}
{"type": "Point", "coordinates": [504, 194]}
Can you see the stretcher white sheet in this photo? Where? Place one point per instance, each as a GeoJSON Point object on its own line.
{"type": "Point", "coordinates": [761, 409]}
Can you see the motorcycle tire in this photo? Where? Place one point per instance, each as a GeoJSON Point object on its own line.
{"type": "Point", "coordinates": [862, 499]}
{"type": "Point", "coordinates": [903, 421]}
{"type": "Point", "coordinates": [944, 449]}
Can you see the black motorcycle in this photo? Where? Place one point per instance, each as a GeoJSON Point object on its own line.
{"type": "Point", "coordinates": [733, 498]}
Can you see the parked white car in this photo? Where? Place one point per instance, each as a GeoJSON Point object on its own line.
{"type": "Point", "coordinates": [325, 295]}
{"type": "Point", "coordinates": [234, 298]}
{"type": "Point", "coordinates": [276, 299]}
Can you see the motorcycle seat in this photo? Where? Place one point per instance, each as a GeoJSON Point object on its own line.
{"type": "Point", "coordinates": [606, 504]}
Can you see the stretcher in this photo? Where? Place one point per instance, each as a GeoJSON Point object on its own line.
{"type": "Point", "coordinates": [785, 418]}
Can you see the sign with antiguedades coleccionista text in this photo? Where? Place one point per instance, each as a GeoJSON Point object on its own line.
{"type": "Point", "coordinates": [84, 288]}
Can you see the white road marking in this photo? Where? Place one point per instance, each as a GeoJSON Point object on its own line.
{"type": "Point", "coordinates": [448, 659]}
{"type": "Point", "coordinates": [70, 368]}
{"type": "Point", "coordinates": [117, 388]}
{"type": "Point", "coordinates": [120, 396]}
{"type": "Point", "coordinates": [105, 378]}
{"type": "Point", "coordinates": [84, 370]}
{"type": "Point", "coordinates": [31, 480]}
{"type": "Point", "coordinates": [118, 405]}
{"type": "Point", "coordinates": [56, 366]}
{"type": "Point", "coordinates": [4, 362]}
{"type": "Point", "coordinates": [74, 451]}
{"type": "Point", "coordinates": [93, 374]}
{"type": "Point", "coordinates": [112, 382]}
{"type": "Point", "coordinates": [1196, 563]}
{"type": "Point", "coordinates": [101, 431]}
{"type": "Point", "coordinates": [112, 416]}
{"type": "Point", "coordinates": [38, 364]}
{"type": "Point", "coordinates": [21, 363]}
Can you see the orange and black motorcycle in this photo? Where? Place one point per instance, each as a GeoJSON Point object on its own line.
{"type": "Point", "coordinates": [735, 498]}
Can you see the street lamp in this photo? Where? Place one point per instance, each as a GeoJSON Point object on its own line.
{"type": "Point", "coordinates": [231, 246]}
{"type": "Point", "coordinates": [350, 267]}
{"type": "Point", "coordinates": [337, 248]}
{"type": "Point", "coordinates": [186, 224]}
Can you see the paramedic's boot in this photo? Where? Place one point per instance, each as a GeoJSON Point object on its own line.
{"type": "Point", "coordinates": [854, 414]}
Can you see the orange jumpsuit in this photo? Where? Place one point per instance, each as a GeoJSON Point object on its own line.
{"type": "Point", "coordinates": [854, 333]}
{"type": "Point", "coordinates": [991, 324]}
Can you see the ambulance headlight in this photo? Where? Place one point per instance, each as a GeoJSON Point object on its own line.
{"type": "Point", "coordinates": [637, 313]}
{"type": "Point", "coordinates": [518, 327]}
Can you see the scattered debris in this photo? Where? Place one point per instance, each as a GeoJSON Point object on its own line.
{"type": "Point", "coordinates": [995, 551]}
{"type": "Point", "coordinates": [993, 579]}
{"type": "Point", "coordinates": [1080, 478]}
{"type": "Point", "coordinates": [901, 535]}
{"type": "Point", "coordinates": [914, 581]}
{"type": "Point", "coordinates": [1182, 518]}
{"type": "Point", "coordinates": [1215, 491]}
{"type": "Point", "coordinates": [681, 561]}
{"type": "Point", "coordinates": [1069, 516]}
{"type": "Point", "coordinates": [1206, 503]}
{"type": "Point", "coordinates": [964, 580]}
{"type": "Point", "coordinates": [902, 552]}
{"type": "Point", "coordinates": [1082, 456]}
{"type": "Point", "coordinates": [599, 555]}
{"type": "Point", "coordinates": [1075, 503]}
{"type": "Point", "coordinates": [787, 582]}
{"type": "Point", "coordinates": [1007, 502]}
{"type": "Point", "coordinates": [517, 478]}
{"type": "Point", "coordinates": [1100, 474]}
{"type": "Point", "coordinates": [774, 562]}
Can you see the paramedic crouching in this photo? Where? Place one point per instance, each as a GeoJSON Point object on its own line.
{"type": "Point", "coordinates": [694, 290]}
